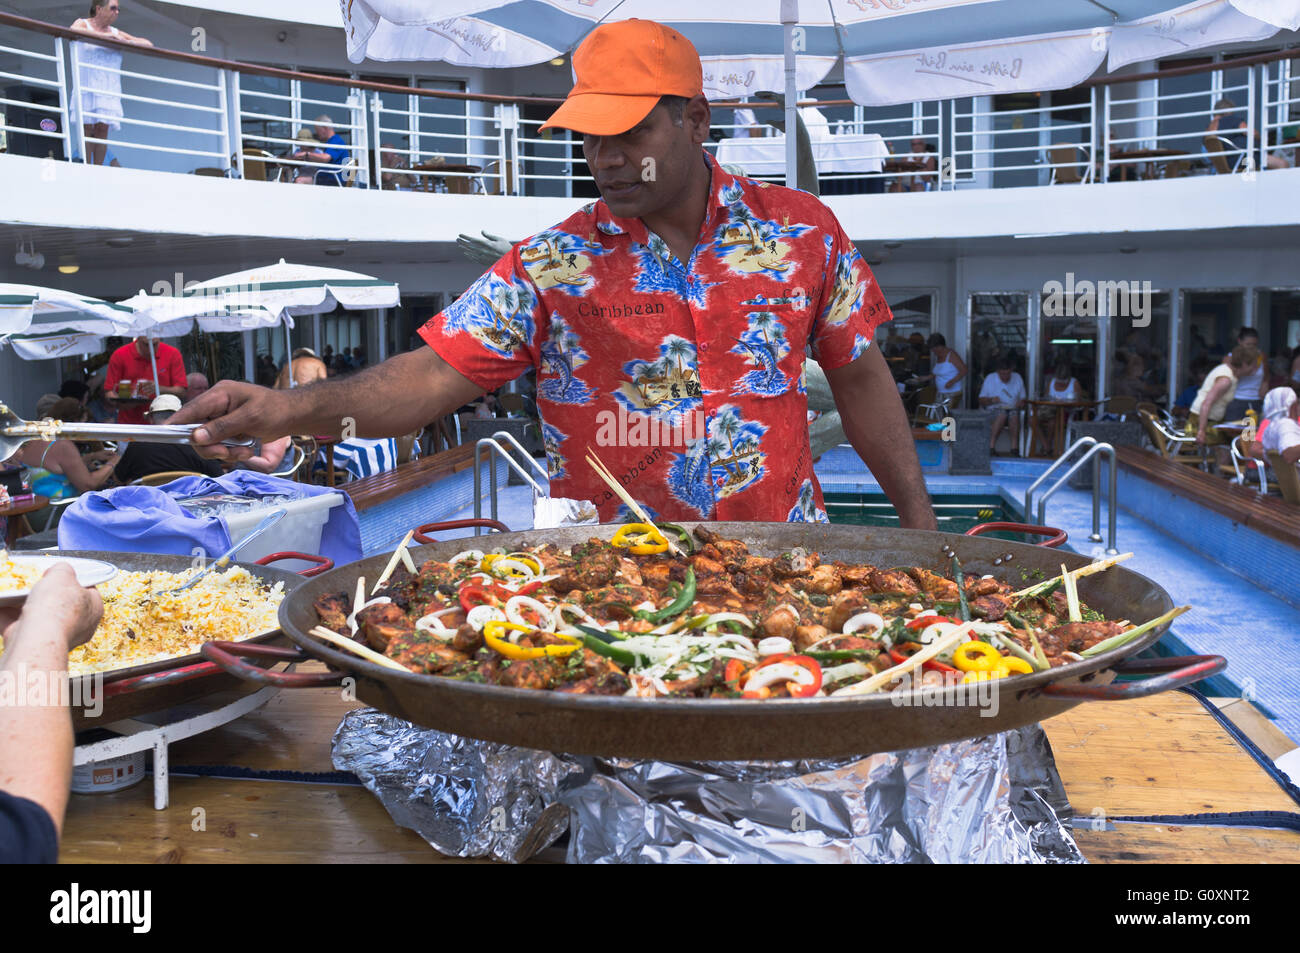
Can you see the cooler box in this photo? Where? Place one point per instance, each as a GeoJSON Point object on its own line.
{"type": "Point", "coordinates": [200, 515]}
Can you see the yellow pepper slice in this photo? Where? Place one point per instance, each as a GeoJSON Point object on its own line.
{"type": "Point", "coordinates": [640, 539]}
{"type": "Point", "coordinates": [976, 657]}
{"type": "Point", "coordinates": [494, 636]}
{"type": "Point", "coordinates": [1017, 665]}
{"type": "Point", "coordinates": [1001, 669]}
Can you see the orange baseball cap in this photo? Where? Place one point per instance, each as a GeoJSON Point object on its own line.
{"type": "Point", "coordinates": [622, 69]}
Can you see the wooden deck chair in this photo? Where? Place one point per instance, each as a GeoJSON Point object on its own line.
{"type": "Point", "coordinates": [1288, 477]}
{"type": "Point", "coordinates": [1217, 147]}
{"type": "Point", "coordinates": [1065, 166]}
{"type": "Point", "coordinates": [1168, 444]}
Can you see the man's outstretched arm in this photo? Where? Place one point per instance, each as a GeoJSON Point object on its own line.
{"type": "Point", "coordinates": [877, 427]}
{"type": "Point", "coordinates": [396, 397]}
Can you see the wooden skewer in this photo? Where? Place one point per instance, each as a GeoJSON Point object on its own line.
{"type": "Point", "coordinates": [392, 563]}
{"type": "Point", "coordinates": [604, 473]}
{"type": "Point", "coordinates": [360, 600]}
{"type": "Point", "coordinates": [367, 653]}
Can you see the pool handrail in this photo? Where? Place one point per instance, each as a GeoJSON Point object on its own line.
{"type": "Point", "coordinates": [1093, 452]}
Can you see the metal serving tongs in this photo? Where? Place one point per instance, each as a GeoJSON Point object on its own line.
{"type": "Point", "coordinates": [14, 432]}
{"type": "Point", "coordinates": [224, 559]}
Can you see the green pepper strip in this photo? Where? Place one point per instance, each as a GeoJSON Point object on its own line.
{"type": "Point", "coordinates": [598, 641]}
{"type": "Point", "coordinates": [836, 655]}
{"type": "Point", "coordinates": [687, 541]}
{"type": "Point", "coordinates": [675, 608]}
{"type": "Point", "coordinates": [1016, 619]}
{"type": "Point", "coordinates": [962, 605]}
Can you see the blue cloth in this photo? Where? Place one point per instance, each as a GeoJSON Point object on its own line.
{"type": "Point", "coordinates": [147, 519]}
{"type": "Point", "coordinates": [27, 834]}
{"type": "Point", "coordinates": [337, 156]}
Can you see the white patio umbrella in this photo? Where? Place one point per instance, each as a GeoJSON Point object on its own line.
{"type": "Point", "coordinates": [44, 347]}
{"type": "Point", "coordinates": [893, 52]}
{"type": "Point", "coordinates": [32, 310]}
{"type": "Point", "coordinates": [287, 290]}
{"type": "Point", "coordinates": [168, 316]}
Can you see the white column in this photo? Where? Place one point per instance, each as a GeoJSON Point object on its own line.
{"type": "Point", "coordinates": [250, 358]}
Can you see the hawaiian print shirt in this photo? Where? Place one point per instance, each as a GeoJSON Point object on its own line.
{"type": "Point", "coordinates": [686, 379]}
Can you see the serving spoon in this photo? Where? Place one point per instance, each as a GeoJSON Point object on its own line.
{"type": "Point", "coordinates": [14, 432]}
{"type": "Point", "coordinates": [220, 562]}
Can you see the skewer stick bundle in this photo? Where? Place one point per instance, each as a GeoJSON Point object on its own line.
{"type": "Point", "coordinates": [398, 553]}
{"type": "Point", "coordinates": [603, 472]}
{"type": "Point", "coordinates": [367, 653]}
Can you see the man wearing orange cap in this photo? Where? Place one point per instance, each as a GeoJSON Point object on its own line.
{"type": "Point", "coordinates": [668, 322]}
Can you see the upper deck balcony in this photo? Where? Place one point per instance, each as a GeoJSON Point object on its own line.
{"type": "Point", "coordinates": [1146, 151]}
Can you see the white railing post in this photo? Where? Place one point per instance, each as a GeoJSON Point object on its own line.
{"type": "Point", "coordinates": [223, 101]}
{"type": "Point", "coordinates": [237, 104]}
{"type": "Point", "coordinates": [377, 108]}
{"type": "Point", "coordinates": [1251, 126]}
{"type": "Point", "coordinates": [361, 139]}
{"type": "Point", "coordinates": [1105, 133]}
{"type": "Point", "coordinates": [75, 110]}
{"type": "Point", "coordinates": [65, 110]}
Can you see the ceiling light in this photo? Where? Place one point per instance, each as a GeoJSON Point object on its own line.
{"type": "Point", "coordinates": [892, 245]}
{"type": "Point", "coordinates": [334, 251]}
{"type": "Point", "coordinates": [68, 265]}
{"type": "Point", "coordinates": [558, 61]}
{"type": "Point", "coordinates": [119, 241]}
{"type": "Point", "coordinates": [37, 262]}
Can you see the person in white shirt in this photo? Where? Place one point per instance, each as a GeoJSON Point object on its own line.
{"type": "Point", "coordinates": [1250, 388]}
{"type": "Point", "coordinates": [1283, 432]}
{"type": "Point", "coordinates": [1004, 394]}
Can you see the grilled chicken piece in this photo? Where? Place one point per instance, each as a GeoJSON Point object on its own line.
{"type": "Point", "coordinates": [780, 623]}
{"type": "Point", "coordinates": [421, 652]}
{"type": "Point", "coordinates": [1077, 636]}
{"type": "Point", "coordinates": [700, 685]}
{"type": "Point", "coordinates": [984, 587]}
{"type": "Point", "coordinates": [629, 572]}
{"type": "Point", "coordinates": [595, 564]}
{"type": "Point", "coordinates": [615, 602]}
{"type": "Point", "coordinates": [891, 580]}
{"type": "Point", "coordinates": [599, 676]}
{"type": "Point", "coordinates": [467, 638]}
{"type": "Point", "coordinates": [824, 579]}
{"type": "Point", "coordinates": [992, 607]}
{"type": "Point", "coordinates": [806, 635]}
{"type": "Point", "coordinates": [656, 573]}
{"type": "Point", "coordinates": [379, 625]}
{"type": "Point", "coordinates": [940, 588]}
{"type": "Point", "coordinates": [533, 673]}
{"type": "Point", "coordinates": [333, 610]}
{"type": "Point", "coordinates": [855, 575]}
{"type": "Point", "coordinates": [845, 605]}
{"type": "Point", "coordinates": [783, 566]}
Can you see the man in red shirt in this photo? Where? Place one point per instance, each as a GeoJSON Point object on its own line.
{"type": "Point", "coordinates": [130, 362]}
{"type": "Point", "coordinates": [668, 323]}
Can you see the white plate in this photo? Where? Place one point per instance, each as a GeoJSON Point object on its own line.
{"type": "Point", "coordinates": [90, 572]}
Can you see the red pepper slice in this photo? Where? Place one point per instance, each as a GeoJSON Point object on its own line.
{"type": "Point", "coordinates": [932, 665]}
{"type": "Point", "coordinates": [795, 689]}
{"type": "Point", "coordinates": [473, 595]}
{"type": "Point", "coordinates": [733, 672]}
{"type": "Point", "coordinates": [927, 620]}
{"type": "Point", "coordinates": [529, 589]}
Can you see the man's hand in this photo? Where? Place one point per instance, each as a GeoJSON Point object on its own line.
{"type": "Point", "coordinates": [58, 609]}
{"type": "Point", "coordinates": [234, 409]}
{"type": "Point", "coordinates": [484, 252]}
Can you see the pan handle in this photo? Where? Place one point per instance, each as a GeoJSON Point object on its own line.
{"type": "Point", "coordinates": [423, 539]}
{"type": "Point", "coordinates": [1058, 536]}
{"type": "Point", "coordinates": [323, 563]}
{"type": "Point", "coordinates": [1176, 671]}
{"type": "Point", "coordinates": [224, 654]}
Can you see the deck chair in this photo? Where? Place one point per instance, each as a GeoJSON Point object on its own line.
{"type": "Point", "coordinates": [1288, 477]}
{"type": "Point", "coordinates": [1241, 466]}
{"type": "Point", "coordinates": [1216, 147]}
{"type": "Point", "coordinates": [497, 174]}
{"type": "Point", "coordinates": [1065, 166]}
{"type": "Point", "coordinates": [459, 184]}
{"type": "Point", "coordinates": [1169, 444]}
{"type": "Point", "coordinates": [293, 460]}
{"type": "Point", "coordinates": [260, 167]}
{"type": "Point", "coordinates": [929, 408]}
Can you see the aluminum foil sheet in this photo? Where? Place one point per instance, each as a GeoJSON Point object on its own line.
{"type": "Point", "coordinates": [996, 799]}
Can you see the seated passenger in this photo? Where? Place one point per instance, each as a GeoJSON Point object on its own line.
{"type": "Point", "coordinates": [142, 459]}
{"type": "Point", "coordinates": [57, 467]}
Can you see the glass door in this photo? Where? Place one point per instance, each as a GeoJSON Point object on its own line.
{"type": "Point", "coordinates": [1139, 352]}
{"type": "Point", "coordinates": [999, 327]}
{"type": "Point", "coordinates": [1066, 340]}
{"type": "Point", "coordinates": [1277, 316]}
{"type": "Point", "coordinates": [1211, 320]}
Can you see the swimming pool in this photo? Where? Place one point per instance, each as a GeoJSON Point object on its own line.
{"type": "Point", "coordinates": [956, 512]}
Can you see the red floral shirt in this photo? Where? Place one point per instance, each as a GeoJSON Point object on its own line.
{"type": "Point", "coordinates": [686, 379]}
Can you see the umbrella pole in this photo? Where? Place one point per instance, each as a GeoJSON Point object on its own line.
{"type": "Point", "coordinates": [153, 359]}
{"type": "Point", "coordinates": [789, 18]}
{"type": "Point", "coordinates": [288, 350]}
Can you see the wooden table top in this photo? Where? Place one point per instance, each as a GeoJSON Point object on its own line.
{"type": "Point", "coordinates": [436, 167]}
{"type": "Point", "coordinates": [1148, 154]}
{"type": "Point", "coordinates": [1163, 755]}
{"type": "Point", "coordinates": [22, 507]}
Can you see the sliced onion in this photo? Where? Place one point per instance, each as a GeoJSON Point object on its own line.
{"type": "Point", "coordinates": [480, 616]}
{"type": "Point", "coordinates": [563, 626]}
{"type": "Point", "coordinates": [861, 621]}
{"type": "Point", "coordinates": [823, 640]}
{"type": "Point", "coordinates": [916, 606]}
{"type": "Point", "coordinates": [433, 623]}
{"type": "Point", "coordinates": [474, 554]}
{"type": "Point", "coordinates": [506, 564]}
{"type": "Point", "coordinates": [799, 559]}
{"type": "Point", "coordinates": [515, 586]}
{"type": "Point", "coordinates": [785, 605]}
{"type": "Point", "coordinates": [727, 617]}
{"type": "Point", "coordinates": [513, 606]}
{"type": "Point", "coordinates": [778, 672]}
{"type": "Point", "coordinates": [352, 619]}
{"type": "Point", "coordinates": [775, 645]}
{"type": "Point", "coordinates": [848, 670]}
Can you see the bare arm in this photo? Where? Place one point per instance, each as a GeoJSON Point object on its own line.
{"type": "Point", "coordinates": [1203, 419]}
{"type": "Point", "coordinates": [877, 427]}
{"type": "Point", "coordinates": [64, 453]}
{"type": "Point", "coordinates": [36, 739]}
{"type": "Point", "coordinates": [957, 362]}
{"type": "Point", "coordinates": [396, 397]}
